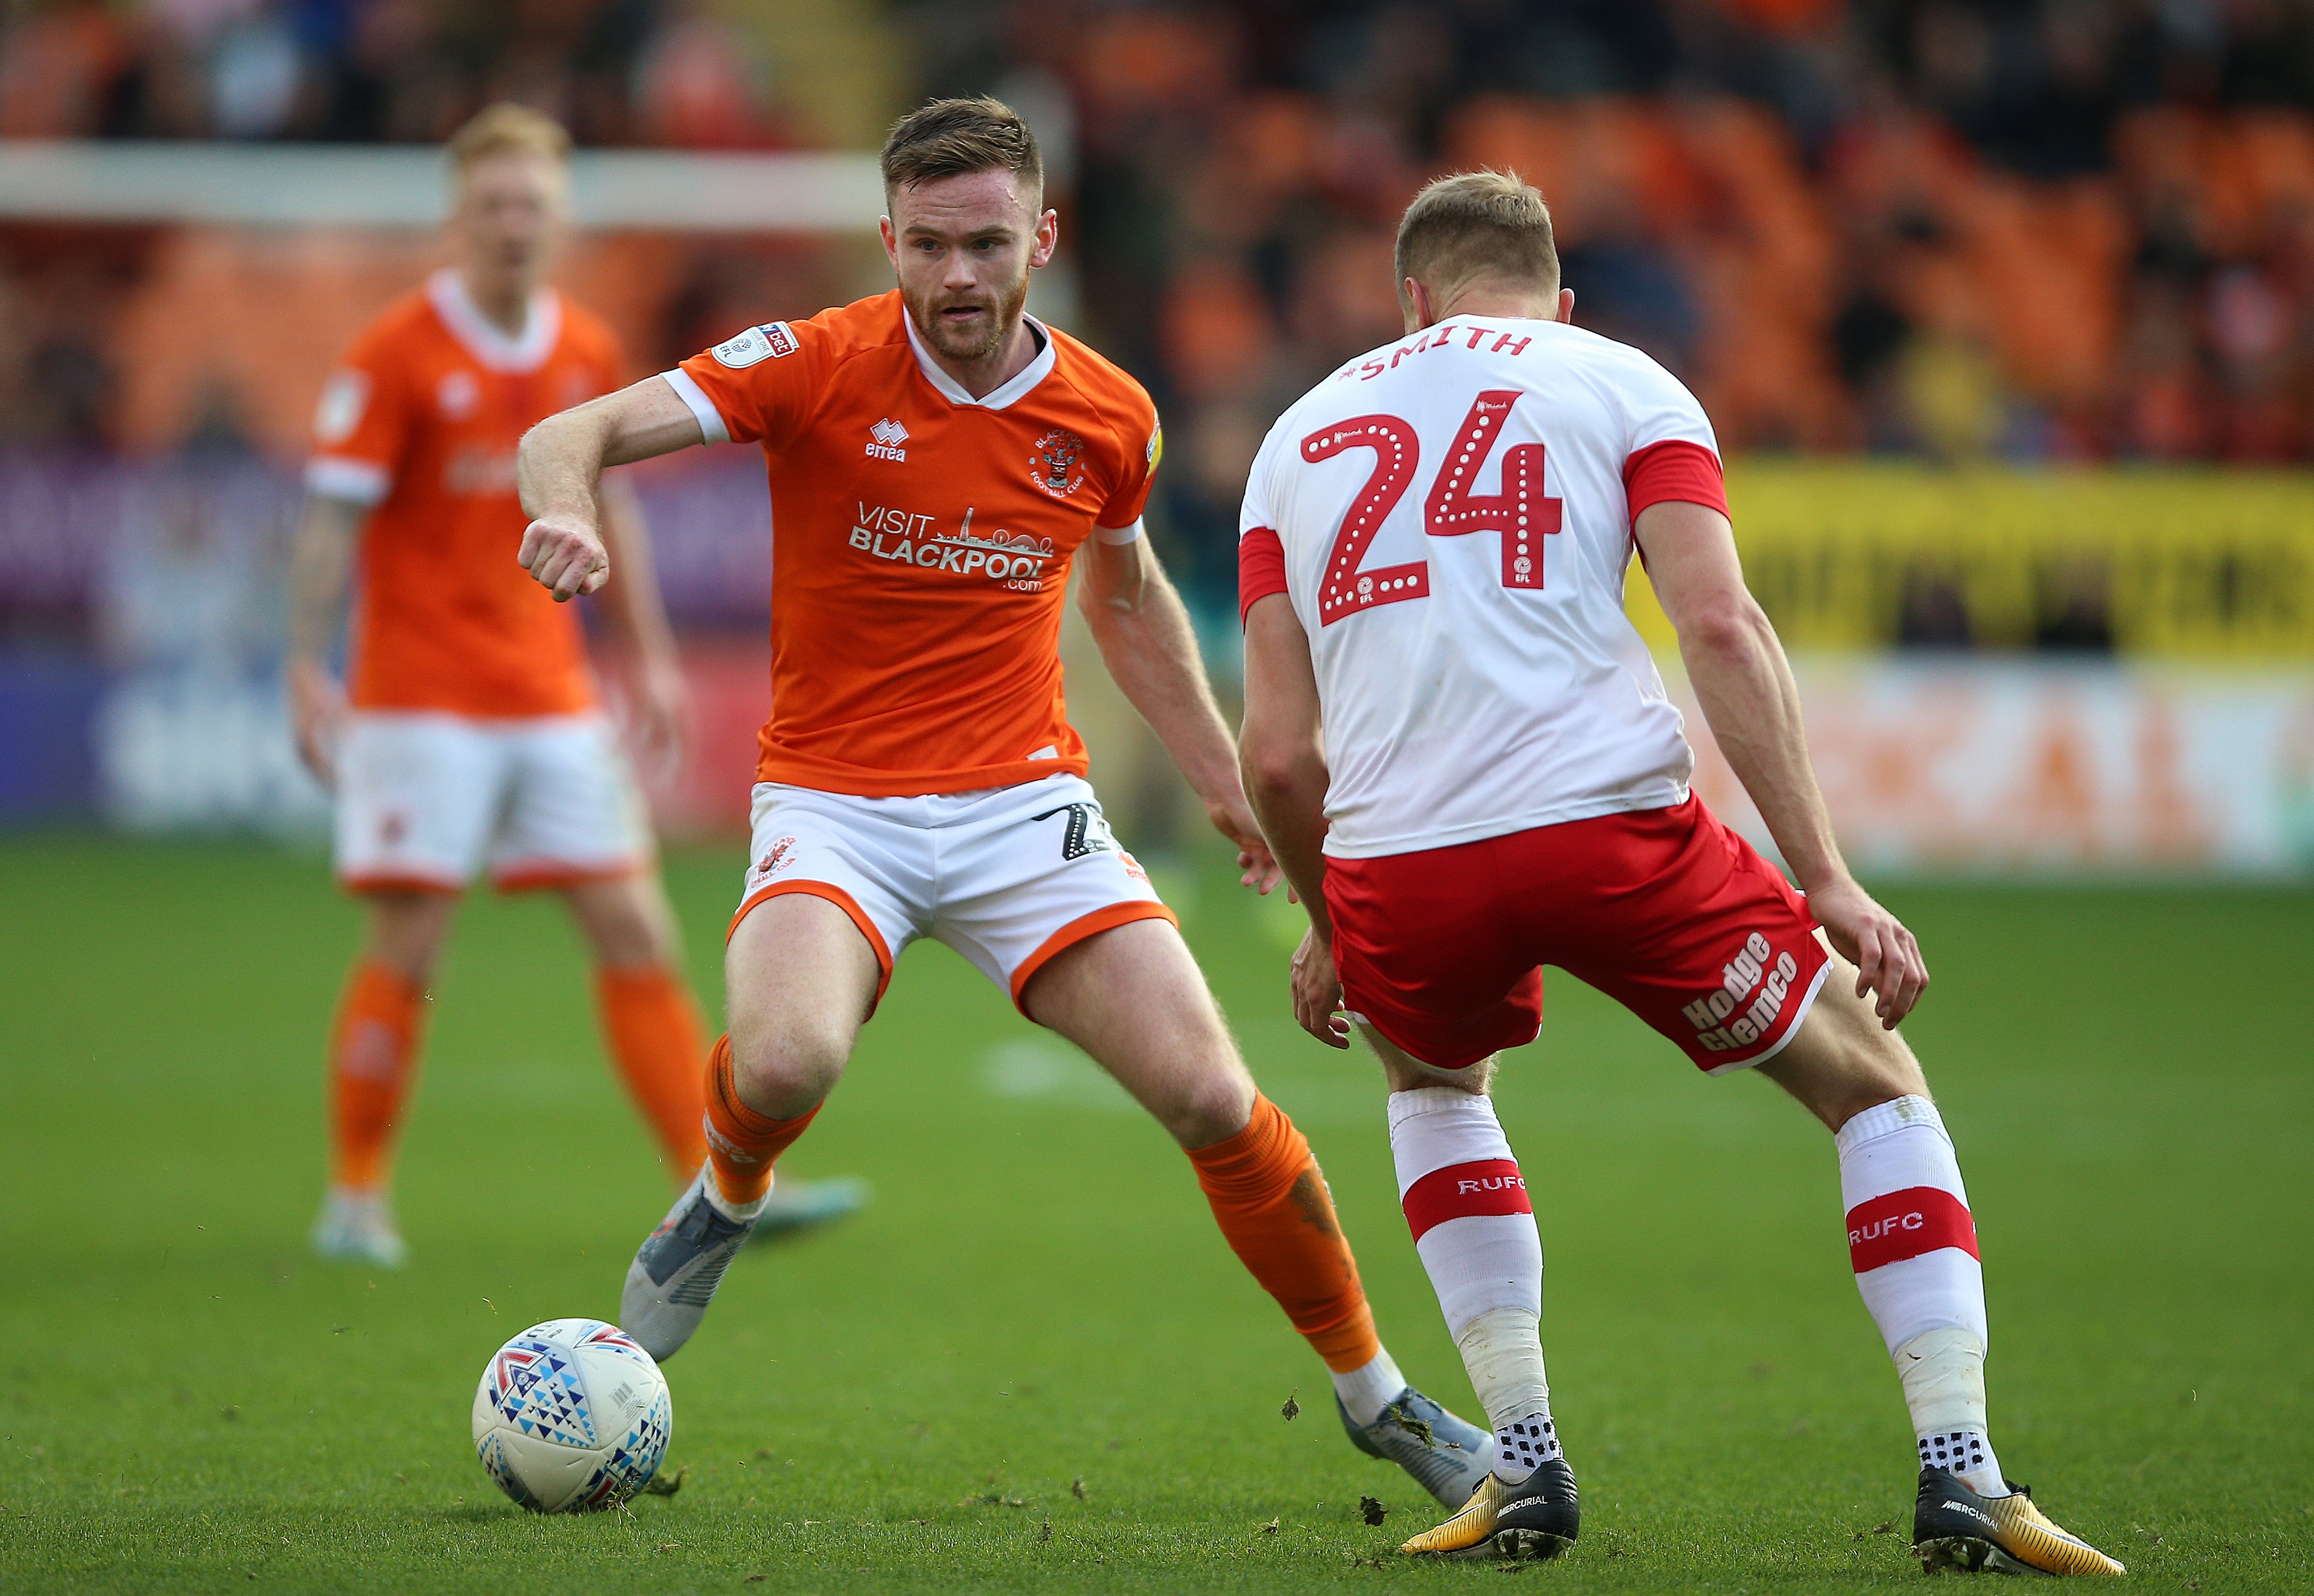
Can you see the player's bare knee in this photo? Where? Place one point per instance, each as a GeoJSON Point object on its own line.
{"type": "Point", "coordinates": [1212, 1106]}
{"type": "Point", "coordinates": [406, 931]}
{"type": "Point", "coordinates": [784, 1068]}
{"type": "Point", "coordinates": [1406, 1073]}
{"type": "Point", "coordinates": [1842, 1063]}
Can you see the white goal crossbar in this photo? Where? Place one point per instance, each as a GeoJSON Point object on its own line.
{"type": "Point", "coordinates": [406, 186]}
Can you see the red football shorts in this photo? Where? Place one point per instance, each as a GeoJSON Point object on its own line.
{"type": "Point", "coordinates": [1667, 910]}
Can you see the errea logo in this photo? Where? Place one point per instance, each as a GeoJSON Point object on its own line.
{"type": "Point", "coordinates": [889, 436]}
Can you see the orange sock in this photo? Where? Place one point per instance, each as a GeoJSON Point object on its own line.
{"type": "Point", "coordinates": [741, 1144]}
{"type": "Point", "coordinates": [654, 1033]}
{"type": "Point", "coordinates": [1271, 1203]}
{"type": "Point", "coordinates": [373, 1054]}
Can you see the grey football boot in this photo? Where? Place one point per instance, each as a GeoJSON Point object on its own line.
{"type": "Point", "coordinates": [1448, 1457]}
{"type": "Point", "coordinates": [677, 1270]}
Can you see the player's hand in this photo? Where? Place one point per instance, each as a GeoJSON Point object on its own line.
{"type": "Point", "coordinates": [1887, 959]}
{"type": "Point", "coordinates": [1234, 819]}
{"type": "Point", "coordinates": [566, 555]}
{"type": "Point", "coordinates": [1318, 991]}
{"type": "Point", "coordinates": [317, 711]}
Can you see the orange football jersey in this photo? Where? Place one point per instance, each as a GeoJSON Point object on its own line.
{"type": "Point", "coordinates": [420, 421]}
{"type": "Point", "coordinates": [921, 543]}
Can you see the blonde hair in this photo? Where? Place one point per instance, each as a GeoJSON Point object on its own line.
{"type": "Point", "coordinates": [506, 128]}
{"type": "Point", "coordinates": [1474, 224]}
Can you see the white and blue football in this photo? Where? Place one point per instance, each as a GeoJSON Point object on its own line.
{"type": "Point", "coordinates": [572, 1416]}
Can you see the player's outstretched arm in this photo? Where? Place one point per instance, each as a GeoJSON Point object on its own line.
{"type": "Point", "coordinates": [320, 563]}
{"type": "Point", "coordinates": [1282, 756]}
{"type": "Point", "coordinates": [1150, 650]}
{"type": "Point", "coordinates": [559, 470]}
{"type": "Point", "coordinates": [1743, 681]}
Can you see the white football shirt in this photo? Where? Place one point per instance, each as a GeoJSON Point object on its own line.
{"type": "Point", "coordinates": [1454, 513]}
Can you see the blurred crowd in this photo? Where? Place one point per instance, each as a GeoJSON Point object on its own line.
{"type": "Point", "coordinates": [658, 72]}
{"type": "Point", "coordinates": [2032, 228]}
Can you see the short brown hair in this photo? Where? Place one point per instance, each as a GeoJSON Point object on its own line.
{"type": "Point", "coordinates": [950, 137]}
{"type": "Point", "coordinates": [1482, 224]}
{"type": "Point", "coordinates": [508, 127]}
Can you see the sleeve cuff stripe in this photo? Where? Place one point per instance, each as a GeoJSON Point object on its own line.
{"type": "Point", "coordinates": [1675, 469]}
{"type": "Point", "coordinates": [1119, 535]}
{"type": "Point", "coordinates": [710, 419]}
{"type": "Point", "coordinates": [362, 481]}
{"type": "Point", "coordinates": [1260, 568]}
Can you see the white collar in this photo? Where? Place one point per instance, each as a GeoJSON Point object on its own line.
{"type": "Point", "coordinates": [1026, 378]}
{"type": "Point", "coordinates": [484, 339]}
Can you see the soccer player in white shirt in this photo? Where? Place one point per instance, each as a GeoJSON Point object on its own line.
{"type": "Point", "coordinates": [1463, 758]}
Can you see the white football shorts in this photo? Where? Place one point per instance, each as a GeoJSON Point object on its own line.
{"type": "Point", "coordinates": [1006, 875]}
{"type": "Point", "coordinates": [426, 800]}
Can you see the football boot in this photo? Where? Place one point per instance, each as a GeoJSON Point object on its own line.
{"type": "Point", "coordinates": [1534, 1519]}
{"type": "Point", "coordinates": [677, 1268]}
{"type": "Point", "coordinates": [358, 1227]}
{"type": "Point", "coordinates": [1446, 1456]}
{"type": "Point", "coordinates": [1957, 1528]}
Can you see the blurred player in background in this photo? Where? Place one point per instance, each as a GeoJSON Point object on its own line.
{"type": "Point", "coordinates": [1464, 759]}
{"type": "Point", "coordinates": [471, 735]}
{"type": "Point", "coordinates": [938, 461]}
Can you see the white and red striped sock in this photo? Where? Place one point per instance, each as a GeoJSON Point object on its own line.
{"type": "Point", "coordinates": [1467, 1204]}
{"type": "Point", "coordinates": [1913, 1244]}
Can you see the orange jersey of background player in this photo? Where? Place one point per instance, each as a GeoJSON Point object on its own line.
{"type": "Point", "coordinates": [921, 543]}
{"type": "Point", "coordinates": [420, 421]}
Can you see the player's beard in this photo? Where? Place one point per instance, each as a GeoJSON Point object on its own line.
{"type": "Point", "coordinates": [984, 338]}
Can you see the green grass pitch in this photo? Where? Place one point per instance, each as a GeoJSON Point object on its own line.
{"type": "Point", "coordinates": [189, 1402]}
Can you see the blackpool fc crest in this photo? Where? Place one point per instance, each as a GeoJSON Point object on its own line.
{"type": "Point", "coordinates": [1057, 467]}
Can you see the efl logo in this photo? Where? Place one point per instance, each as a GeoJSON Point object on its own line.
{"type": "Point", "coordinates": [889, 436]}
{"type": "Point", "coordinates": [757, 343]}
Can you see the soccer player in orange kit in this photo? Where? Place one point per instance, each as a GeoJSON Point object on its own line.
{"type": "Point", "coordinates": [469, 734]}
{"type": "Point", "coordinates": [938, 460]}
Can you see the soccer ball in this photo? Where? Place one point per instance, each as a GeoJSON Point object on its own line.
{"type": "Point", "coordinates": [571, 1416]}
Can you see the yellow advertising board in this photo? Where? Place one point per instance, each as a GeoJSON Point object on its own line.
{"type": "Point", "coordinates": [2187, 563]}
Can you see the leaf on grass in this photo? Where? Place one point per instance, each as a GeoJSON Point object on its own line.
{"type": "Point", "coordinates": [763, 1453]}
{"type": "Point", "coordinates": [1371, 1510]}
{"type": "Point", "coordinates": [754, 1579]}
{"type": "Point", "coordinates": [1076, 1488]}
{"type": "Point", "coordinates": [1047, 1532]}
{"type": "Point", "coordinates": [659, 1485]}
{"type": "Point", "coordinates": [668, 1546]}
{"type": "Point", "coordinates": [1270, 1528]}
{"type": "Point", "coordinates": [1884, 1526]}
{"type": "Point", "coordinates": [1292, 1409]}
